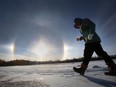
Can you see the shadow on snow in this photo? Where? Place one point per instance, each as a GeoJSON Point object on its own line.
{"type": "Point", "coordinates": [101, 82]}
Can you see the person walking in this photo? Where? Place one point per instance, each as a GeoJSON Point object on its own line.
{"type": "Point", "coordinates": [92, 44]}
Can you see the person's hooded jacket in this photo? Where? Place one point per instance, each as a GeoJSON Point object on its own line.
{"type": "Point", "coordinates": [87, 30]}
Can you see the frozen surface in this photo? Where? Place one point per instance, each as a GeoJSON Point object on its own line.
{"type": "Point", "coordinates": [56, 75]}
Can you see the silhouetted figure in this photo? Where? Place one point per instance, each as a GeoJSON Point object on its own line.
{"type": "Point", "coordinates": [92, 44]}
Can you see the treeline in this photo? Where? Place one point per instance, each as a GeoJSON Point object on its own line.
{"type": "Point", "coordinates": [27, 62]}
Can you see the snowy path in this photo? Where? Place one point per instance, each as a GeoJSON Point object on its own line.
{"type": "Point", "coordinates": [56, 75]}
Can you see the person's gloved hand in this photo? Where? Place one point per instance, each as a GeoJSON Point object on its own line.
{"type": "Point", "coordinates": [79, 38]}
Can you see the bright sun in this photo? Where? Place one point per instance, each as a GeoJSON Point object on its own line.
{"type": "Point", "coordinates": [41, 50]}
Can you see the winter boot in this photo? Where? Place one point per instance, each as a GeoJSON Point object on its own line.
{"type": "Point", "coordinates": [112, 69]}
{"type": "Point", "coordinates": [80, 70]}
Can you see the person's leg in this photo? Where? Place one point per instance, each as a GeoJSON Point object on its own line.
{"type": "Point", "coordinates": [111, 64]}
{"type": "Point", "coordinates": [88, 51]}
{"type": "Point", "coordinates": [100, 52]}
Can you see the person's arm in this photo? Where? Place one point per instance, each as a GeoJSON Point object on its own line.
{"type": "Point", "coordinates": [91, 31]}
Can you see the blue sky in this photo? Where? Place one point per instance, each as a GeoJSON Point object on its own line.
{"type": "Point", "coordinates": [43, 29]}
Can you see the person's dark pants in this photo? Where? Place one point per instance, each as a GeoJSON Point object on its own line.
{"type": "Point", "coordinates": [90, 48]}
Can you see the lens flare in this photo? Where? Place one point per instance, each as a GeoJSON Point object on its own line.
{"type": "Point", "coordinates": [66, 49]}
{"type": "Point", "coordinates": [11, 47]}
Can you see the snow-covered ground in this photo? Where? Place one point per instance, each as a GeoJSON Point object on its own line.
{"type": "Point", "coordinates": [56, 75]}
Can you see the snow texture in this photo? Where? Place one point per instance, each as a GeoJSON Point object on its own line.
{"type": "Point", "coordinates": [56, 75]}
